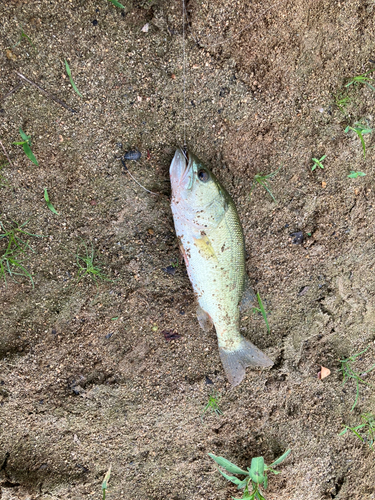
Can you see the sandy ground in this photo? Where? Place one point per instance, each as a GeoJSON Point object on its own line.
{"type": "Point", "coordinates": [116, 371]}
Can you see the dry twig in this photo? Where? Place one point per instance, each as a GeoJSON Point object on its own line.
{"type": "Point", "coordinates": [18, 86]}
{"type": "Point", "coordinates": [6, 154]}
{"type": "Point", "coordinates": [47, 93]}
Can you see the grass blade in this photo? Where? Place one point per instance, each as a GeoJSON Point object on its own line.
{"type": "Point", "coordinates": [263, 311]}
{"type": "Point", "coordinates": [49, 204]}
{"type": "Point", "coordinates": [280, 459]}
{"type": "Point", "coordinates": [105, 481]}
{"type": "Point", "coordinates": [354, 175]}
{"type": "Point", "coordinates": [70, 78]}
{"type": "Point", "coordinates": [117, 4]}
{"type": "Point", "coordinates": [363, 144]}
{"type": "Point", "coordinates": [29, 153]}
{"type": "Point", "coordinates": [223, 462]}
{"type": "Point", "coordinates": [24, 136]}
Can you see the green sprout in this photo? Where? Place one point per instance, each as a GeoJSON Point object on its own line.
{"type": "Point", "coordinates": [360, 130]}
{"type": "Point", "coordinates": [71, 79]}
{"type": "Point", "coordinates": [354, 175]}
{"type": "Point", "coordinates": [26, 145]}
{"type": "Point", "coordinates": [263, 181]}
{"type": "Point", "coordinates": [117, 4]}
{"type": "Point", "coordinates": [362, 79]}
{"type": "Point", "coordinates": [318, 163]}
{"type": "Point", "coordinates": [364, 431]}
{"type": "Point", "coordinates": [49, 204]}
{"type": "Point", "coordinates": [213, 404]}
{"type": "Point", "coordinates": [12, 246]}
{"type": "Point", "coordinates": [349, 373]}
{"type": "Point", "coordinates": [256, 475]}
{"type": "Point", "coordinates": [86, 264]}
{"type": "Point", "coordinates": [23, 35]}
{"type": "Point", "coordinates": [261, 310]}
{"type": "Point", "coordinates": [341, 102]}
{"type": "Point", "coordinates": [105, 481]}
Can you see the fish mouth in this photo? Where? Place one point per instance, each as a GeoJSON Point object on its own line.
{"type": "Point", "coordinates": [180, 170]}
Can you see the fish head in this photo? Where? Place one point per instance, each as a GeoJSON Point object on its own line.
{"type": "Point", "coordinates": [197, 195]}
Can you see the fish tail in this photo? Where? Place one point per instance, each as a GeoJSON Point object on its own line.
{"type": "Point", "coordinates": [235, 361]}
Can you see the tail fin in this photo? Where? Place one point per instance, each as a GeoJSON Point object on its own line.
{"type": "Point", "coordinates": [235, 362]}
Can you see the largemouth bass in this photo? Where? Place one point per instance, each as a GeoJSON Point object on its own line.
{"type": "Point", "coordinates": [212, 243]}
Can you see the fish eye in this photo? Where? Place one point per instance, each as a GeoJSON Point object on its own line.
{"type": "Point", "coordinates": [203, 175]}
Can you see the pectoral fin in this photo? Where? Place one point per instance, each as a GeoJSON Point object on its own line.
{"type": "Point", "coordinates": [205, 321]}
{"type": "Point", "coordinates": [204, 246]}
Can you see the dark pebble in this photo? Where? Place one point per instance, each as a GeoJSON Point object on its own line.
{"type": "Point", "coordinates": [85, 469]}
{"type": "Point", "coordinates": [297, 238]}
{"type": "Point", "coordinates": [132, 155]}
{"type": "Point", "coordinates": [170, 270]}
{"type": "Point", "coordinates": [95, 22]}
{"type": "Point", "coordinates": [209, 381]}
{"type": "Point", "coordinates": [170, 335]}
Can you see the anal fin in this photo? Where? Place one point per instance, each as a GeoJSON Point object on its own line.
{"type": "Point", "coordinates": [204, 319]}
{"type": "Point", "coordinates": [249, 298]}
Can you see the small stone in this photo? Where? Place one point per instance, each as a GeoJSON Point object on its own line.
{"type": "Point", "coordinates": [297, 238]}
{"type": "Point", "coordinates": [10, 55]}
{"type": "Point", "coordinates": [324, 372]}
{"type": "Point", "coordinates": [145, 28]}
{"type": "Point", "coordinates": [132, 155]}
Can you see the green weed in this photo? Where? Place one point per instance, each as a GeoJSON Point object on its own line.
{"type": "Point", "coordinates": [256, 475]}
{"type": "Point", "coordinates": [213, 404]}
{"type": "Point", "coordinates": [364, 431]}
{"type": "Point", "coordinates": [23, 35]}
{"type": "Point", "coordinates": [69, 73]}
{"type": "Point", "coordinates": [342, 102]}
{"type": "Point", "coordinates": [349, 373]}
{"type": "Point", "coordinates": [49, 204]}
{"type": "Point", "coordinates": [360, 130]}
{"type": "Point", "coordinates": [318, 163]}
{"type": "Point", "coordinates": [362, 79]}
{"type": "Point", "coordinates": [86, 265]}
{"type": "Point", "coordinates": [105, 481]}
{"type": "Point", "coordinates": [117, 4]}
{"type": "Point", "coordinates": [13, 246]}
{"type": "Point", "coordinates": [354, 175]}
{"type": "Point", "coordinates": [26, 145]}
{"type": "Point", "coordinates": [262, 180]}
{"type": "Point", "coordinates": [261, 310]}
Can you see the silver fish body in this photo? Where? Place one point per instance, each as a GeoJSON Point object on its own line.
{"type": "Point", "coordinates": [212, 243]}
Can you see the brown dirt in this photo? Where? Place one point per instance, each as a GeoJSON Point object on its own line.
{"type": "Point", "coordinates": [79, 389]}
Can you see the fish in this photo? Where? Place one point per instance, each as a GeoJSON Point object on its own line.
{"type": "Point", "coordinates": [211, 240]}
